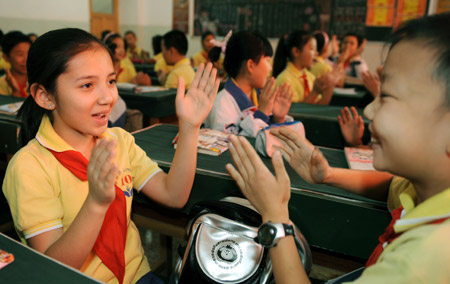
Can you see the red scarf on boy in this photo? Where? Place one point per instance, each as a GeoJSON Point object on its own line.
{"type": "Point", "coordinates": [110, 243]}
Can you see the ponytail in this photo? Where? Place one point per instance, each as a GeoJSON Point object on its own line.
{"type": "Point", "coordinates": [31, 115]}
{"type": "Point", "coordinates": [296, 39]}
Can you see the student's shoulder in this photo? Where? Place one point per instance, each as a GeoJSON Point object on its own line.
{"type": "Point", "coordinates": [32, 155]}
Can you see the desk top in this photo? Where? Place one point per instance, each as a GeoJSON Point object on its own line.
{"type": "Point", "coordinates": [30, 266]}
{"type": "Point", "coordinates": [152, 104]}
{"type": "Point", "coordinates": [329, 217]}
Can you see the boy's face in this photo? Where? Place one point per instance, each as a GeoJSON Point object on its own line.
{"type": "Point", "coordinates": [131, 40]}
{"type": "Point", "coordinates": [18, 58]}
{"type": "Point", "coordinates": [350, 43]}
{"type": "Point", "coordinates": [167, 53]}
{"type": "Point", "coordinates": [409, 121]}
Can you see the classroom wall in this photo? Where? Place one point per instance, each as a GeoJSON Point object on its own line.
{"type": "Point", "coordinates": [43, 15]}
{"type": "Point", "coordinates": [145, 17]}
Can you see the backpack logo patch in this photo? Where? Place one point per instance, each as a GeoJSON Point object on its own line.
{"type": "Point", "coordinates": [226, 254]}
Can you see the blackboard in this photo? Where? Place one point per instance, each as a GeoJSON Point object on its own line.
{"type": "Point", "coordinates": [274, 18]}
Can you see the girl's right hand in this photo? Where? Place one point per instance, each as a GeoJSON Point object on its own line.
{"type": "Point", "coordinates": [102, 172]}
{"type": "Point", "coordinates": [303, 157]}
{"type": "Point", "coordinates": [267, 97]}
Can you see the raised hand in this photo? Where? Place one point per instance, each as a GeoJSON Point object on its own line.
{"type": "Point", "coordinates": [143, 79]}
{"type": "Point", "coordinates": [352, 126]}
{"type": "Point", "coordinates": [282, 103]}
{"type": "Point", "coordinates": [194, 107]}
{"type": "Point", "coordinates": [102, 172]}
{"type": "Point", "coordinates": [267, 97]}
{"type": "Point", "coordinates": [269, 194]}
{"type": "Point", "coordinates": [303, 157]}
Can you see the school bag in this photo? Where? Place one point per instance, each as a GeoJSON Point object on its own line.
{"type": "Point", "coordinates": [221, 246]}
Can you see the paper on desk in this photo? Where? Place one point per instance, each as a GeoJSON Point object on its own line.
{"type": "Point", "coordinates": [345, 91]}
{"type": "Point", "coordinates": [11, 108]}
{"type": "Point", "coordinates": [5, 258]}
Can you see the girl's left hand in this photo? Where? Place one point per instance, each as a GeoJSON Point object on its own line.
{"type": "Point", "coordinates": [194, 107]}
{"type": "Point", "coordinates": [282, 103]}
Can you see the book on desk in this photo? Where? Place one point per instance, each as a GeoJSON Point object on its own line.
{"type": "Point", "coordinates": [138, 88]}
{"type": "Point", "coordinates": [359, 158]}
{"type": "Point", "coordinates": [211, 142]}
{"type": "Point", "coordinates": [11, 108]}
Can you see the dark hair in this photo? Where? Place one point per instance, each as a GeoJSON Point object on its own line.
{"type": "Point", "coordinates": [205, 34]}
{"type": "Point", "coordinates": [435, 33]}
{"type": "Point", "coordinates": [108, 40]}
{"type": "Point", "coordinates": [11, 39]}
{"type": "Point", "coordinates": [129, 32]}
{"type": "Point", "coordinates": [358, 37]}
{"type": "Point", "coordinates": [242, 46]}
{"type": "Point", "coordinates": [48, 58]}
{"type": "Point", "coordinates": [322, 40]}
{"type": "Point", "coordinates": [176, 39]}
{"type": "Point", "coordinates": [283, 52]}
{"type": "Point", "coordinates": [104, 33]}
{"type": "Point", "coordinates": [156, 43]}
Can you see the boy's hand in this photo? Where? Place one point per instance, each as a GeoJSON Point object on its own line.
{"type": "Point", "coordinates": [193, 108]}
{"type": "Point", "coordinates": [282, 104]}
{"type": "Point", "coordinates": [270, 195]}
{"type": "Point", "coordinates": [267, 97]}
{"type": "Point", "coordinates": [303, 157]}
{"type": "Point", "coordinates": [102, 172]}
{"type": "Point", "coordinates": [352, 126]}
{"type": "Point", "coordinates": [143, 79]}
{"type": "Point", "coordinates": [371, 82]}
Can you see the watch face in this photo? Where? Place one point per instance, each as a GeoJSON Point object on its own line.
{"type": "Point", "coordinates": [266, 234]}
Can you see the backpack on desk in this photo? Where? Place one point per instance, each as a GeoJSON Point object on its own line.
{"type": "Point", "coordinates": [221, 246]}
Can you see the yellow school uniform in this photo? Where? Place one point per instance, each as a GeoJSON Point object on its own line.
{"type": "Point", "coordinates": [43, 195]}
{"type": "Point", "coordinates": [135, 51]}
{"type": "Point", "coordinates": [162, 66]}
{"type": "Point", "coordinates": [183, 69]}
{"type": "Point", "coordinates": [127, 71]}
{"type": "Point", "coordinates": [420, 252]}
{"type": "Point", "coordinates": [320, 67]}
{"type": "Point", "coordinates": [6, 90]}
{"type": "Point", "coordinates": [3, 63]}
{"type": "Point", "coordinates": [294, 77]}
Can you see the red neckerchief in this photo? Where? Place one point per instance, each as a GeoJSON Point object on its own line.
{"type": "Point", "coordinates": [389, 235]}
{"type": "Point", "coordinates": [110, 243]}
{"type": "Point", "coordinates": [23, 92]}
{"type": "Point", "coordinates": [306, 84]}
{"type": "Point", "coordinates": [120, 71]}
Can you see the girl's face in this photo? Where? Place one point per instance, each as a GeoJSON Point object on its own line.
{"type": "Point", "coordinates": [207, 44]}
{"type": "Point", "coordinates": [350, 43]}
{"type": "Point", "coordinates": [85, 95]}
{"type": "Point", "coordinates": [119, 53]}
{"type": "Point", "coordinates": [308, 53]}
{"type": "Point", "coordinates": [260, 72]}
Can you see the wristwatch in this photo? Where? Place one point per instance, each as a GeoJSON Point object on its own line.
{"type": "Point", "coordinates": [269, 233]}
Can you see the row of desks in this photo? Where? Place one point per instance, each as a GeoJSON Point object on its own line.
{"type": "Point", "coordinates": [329, 217]}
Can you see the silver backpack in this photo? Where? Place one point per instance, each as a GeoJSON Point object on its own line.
{"type": "Point", "coordinates": [221, 245]}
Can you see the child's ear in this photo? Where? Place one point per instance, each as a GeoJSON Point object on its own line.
{"type": "Point", "coordinates": [250, 66]}
{"type": "Point", "coordinates": [42, 97]}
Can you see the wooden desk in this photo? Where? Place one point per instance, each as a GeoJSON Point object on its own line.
{"type": "Point", "coordinates": [330, 218]}
{"type": "Point", "coordinates": [321, 124]}
{"type": "Point", "coordinates": [10, 127]}
{"type": "Point", "coordinates": [153, 105]}
{"type": "Point", "coordinates": [30, 266]}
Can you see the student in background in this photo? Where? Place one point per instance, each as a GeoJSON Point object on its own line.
{"type": "Point", "coordinates": [135, 53]}
{"type": "Point", "coordinates": [174, 46]}
{"type": "Point", "coordinates": [73, 203]}
{"type": "Point", "coordinates": [203, 55]}
{"type": "Point", "coordinates": [161, 67]}
{"type": "Point", "coordinates": [321, 64]}
{"type": "Point", "coordinates": [294, 55]}
{"type": "Point", "coordinates": [351, 48]}
{"type": "Point", "coordinates": [3, 63]}
{"type": "Point", "coordinates": [32, 37]}
{"type": "Point", "coordinates": [249, 102]}
{"type": "Point", "coordinates": [126, 73]}
{"type": "Point", "coordinates": [409, 123]}
{"type": "Point", "coordinates": [15, 46]}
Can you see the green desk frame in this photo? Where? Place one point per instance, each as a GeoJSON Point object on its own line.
{"type": "Point", "coordinates": [329, 217]}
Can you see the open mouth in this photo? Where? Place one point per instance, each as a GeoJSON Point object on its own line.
{"type": "Point", "coordinates": [100, 116]}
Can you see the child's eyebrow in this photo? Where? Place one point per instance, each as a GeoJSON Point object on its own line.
{"type": "Point", "coordinates": [114, 73]}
